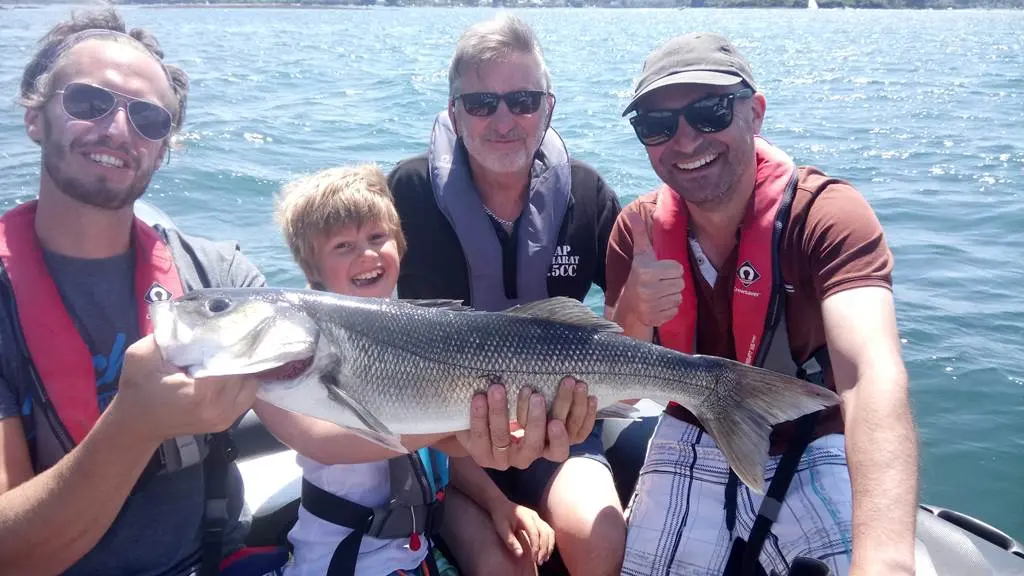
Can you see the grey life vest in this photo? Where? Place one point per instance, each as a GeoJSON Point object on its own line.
{"type": "Point", "coordinates": [546, 203]}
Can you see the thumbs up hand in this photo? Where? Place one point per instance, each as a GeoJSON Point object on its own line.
{"type": "Point", "coordinates": [654, 288]}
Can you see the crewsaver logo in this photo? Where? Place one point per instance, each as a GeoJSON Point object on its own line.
{"type": "Point", "coordinates": [747, 274]}
{"type": "Point", "coordinates": [157, 293]}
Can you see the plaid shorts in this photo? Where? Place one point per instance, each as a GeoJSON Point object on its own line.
{"type": "Point", "coordinates": [676, 516]}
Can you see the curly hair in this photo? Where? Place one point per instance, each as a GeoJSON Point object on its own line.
{"type": "Point", "coordinates": [37, 82]}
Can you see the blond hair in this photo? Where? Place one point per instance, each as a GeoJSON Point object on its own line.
{"type": "Point", "coordinates": [311, 207]}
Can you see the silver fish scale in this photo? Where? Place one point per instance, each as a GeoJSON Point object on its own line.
{"type": "Point", "coordinates": [420, 366]}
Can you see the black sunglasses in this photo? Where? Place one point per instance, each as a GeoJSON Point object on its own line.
{"type": "Point", "coordinates": [519, 102]}
{"type": "Point", "coordinates": [87, 102]}
{"type": "Point", "coordinates": [707, 115]}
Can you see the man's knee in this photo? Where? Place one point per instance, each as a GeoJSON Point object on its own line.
{"type": "Point", "coordinates": [583, 508]}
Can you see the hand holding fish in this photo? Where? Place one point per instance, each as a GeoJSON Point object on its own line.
{"type": "Point", "coordinates": [492, 444]}
{"type": "Point", "coordinates": [654, 289]}
{"type": "Point", "coordinates": [164, 402]}
{"type": "Point", "coordinates": [575, 409]}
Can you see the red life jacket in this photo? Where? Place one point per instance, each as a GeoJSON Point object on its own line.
{"type": "Point", "coordinates": [756, 281]}
{"type": "Point", "coordinates": [59, 355]}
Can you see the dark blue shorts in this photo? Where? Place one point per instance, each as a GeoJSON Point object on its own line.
{"type": "Point", "coordinates": [526, 487]}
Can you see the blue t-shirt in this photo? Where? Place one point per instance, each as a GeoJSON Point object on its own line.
{"type": "Point", "coordinates": [159, 528]}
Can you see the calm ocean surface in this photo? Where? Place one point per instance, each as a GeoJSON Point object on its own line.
{"type": "Point", "coordinates": [922, 111]}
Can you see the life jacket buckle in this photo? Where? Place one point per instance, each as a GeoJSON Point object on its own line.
{"type": "Point", "coordinates": [401, 519]}
{"type": "Point", "coordinates": [390, 520]}
{"type": "Point", "coordinates": [217, 509]}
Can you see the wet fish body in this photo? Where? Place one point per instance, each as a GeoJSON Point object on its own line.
{"type": "Point", "coordinates": [385, 368]}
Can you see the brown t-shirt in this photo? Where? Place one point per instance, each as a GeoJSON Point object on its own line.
{"type": "Point", "coordinates": [833, 242]}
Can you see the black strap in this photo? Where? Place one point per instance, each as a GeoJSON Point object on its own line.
{"type": "Point", "coordinates": [734, 566]}
{"type": "Point", "coordinates": [389, 522]}
{"type": "Point", "coordinates": [806, 566]}
{"type": "Point", "coordinates": [744, 555]}
{"type": "Point", "coordinates": [401, 517]}
{"type": "Point", "coordinates": [768, 513]}
{"type": "Point", "coordinates": [337, 510]}
{"type": "Point", "coordinates": [732, 489]}
{"type": "Point", "coordinates": [215, 514]}
{"type": "Point", "coordinates": [743, 558]}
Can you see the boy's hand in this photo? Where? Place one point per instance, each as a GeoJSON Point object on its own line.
{"type": "Point", "coordinates": [523, 529]}
{"type": "Point", "coordinates": [491, 443]}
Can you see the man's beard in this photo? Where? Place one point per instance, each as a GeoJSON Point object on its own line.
{"type": "Point", "coordinates": [511, 161]}
{"type": "Point", "coordinates": [94, 191]}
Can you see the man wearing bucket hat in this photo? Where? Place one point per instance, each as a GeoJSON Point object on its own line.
{"type": "Point", "coordinates": [742, 254]}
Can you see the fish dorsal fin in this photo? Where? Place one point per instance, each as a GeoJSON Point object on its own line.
{"type": "Point", "coordinates": [565, 310]}
{"type": "Point", "coordinates": [439, 304]}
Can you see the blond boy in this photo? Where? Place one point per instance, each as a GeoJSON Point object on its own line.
{"type": "Point", "coordinates": [343, 230]}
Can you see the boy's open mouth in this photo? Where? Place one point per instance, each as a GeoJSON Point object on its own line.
{"type": "Point", "coordinates": [368, 278]}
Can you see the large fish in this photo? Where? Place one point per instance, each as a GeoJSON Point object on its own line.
{"type": "Point", "coordinates": [384, 368]}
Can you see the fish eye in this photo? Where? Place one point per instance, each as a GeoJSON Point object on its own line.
{"type": "Point", "coordinates": [218, 305]}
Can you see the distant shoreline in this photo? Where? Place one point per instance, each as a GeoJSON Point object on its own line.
{"type": "Point", "coordinates": [939, 5]}
{"type": "Point", "coordinates": [305, 6]}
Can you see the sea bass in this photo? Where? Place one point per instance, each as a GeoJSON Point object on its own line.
{"type": "Point", "coordinates": [383, 368]}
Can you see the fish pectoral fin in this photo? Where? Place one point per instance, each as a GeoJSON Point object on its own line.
{"type": "Point", "coordinates": [375, 430]}
{"type": "Point", "coordinates": [565, 310]}
{"type": "Point", "coordinates": [619, 410]}
{"type": "Point", "coordinates": [388, 441]}
{"type": "Point", "coordinates": [439, 304]}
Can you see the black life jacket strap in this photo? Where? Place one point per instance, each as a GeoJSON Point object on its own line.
{"type": "Point", "coordinates": [771, 505]}
{"type": "Point", "coordinates": [336, 510]}
{"type": "Point", "coordinates": [215, 513]}
{"type": "Point", "coordinates": [397, 520]}
{"type": "Point", "coordinates": [743, 558]}
{"type": "Point", "coordinates": [744, 555]}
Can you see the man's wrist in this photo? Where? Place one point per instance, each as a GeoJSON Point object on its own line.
{"type": "Point", "coordinates": [120, 419]}
{"type": "Point", "coordinates": [877, 558]}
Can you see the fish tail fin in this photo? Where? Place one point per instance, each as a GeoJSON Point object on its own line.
{"type": "Point", "coordinates": [748, 401]}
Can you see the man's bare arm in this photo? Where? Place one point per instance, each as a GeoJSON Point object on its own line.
{"type": "Point", "coordinates": [48, 522]}
{"type": "Point", "coordinates": [881, 443]}
{"type": "Point", "coordinates": [81, 494]}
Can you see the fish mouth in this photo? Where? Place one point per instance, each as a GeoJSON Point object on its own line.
{"type": "Point", "coordinates": [287, 371]}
